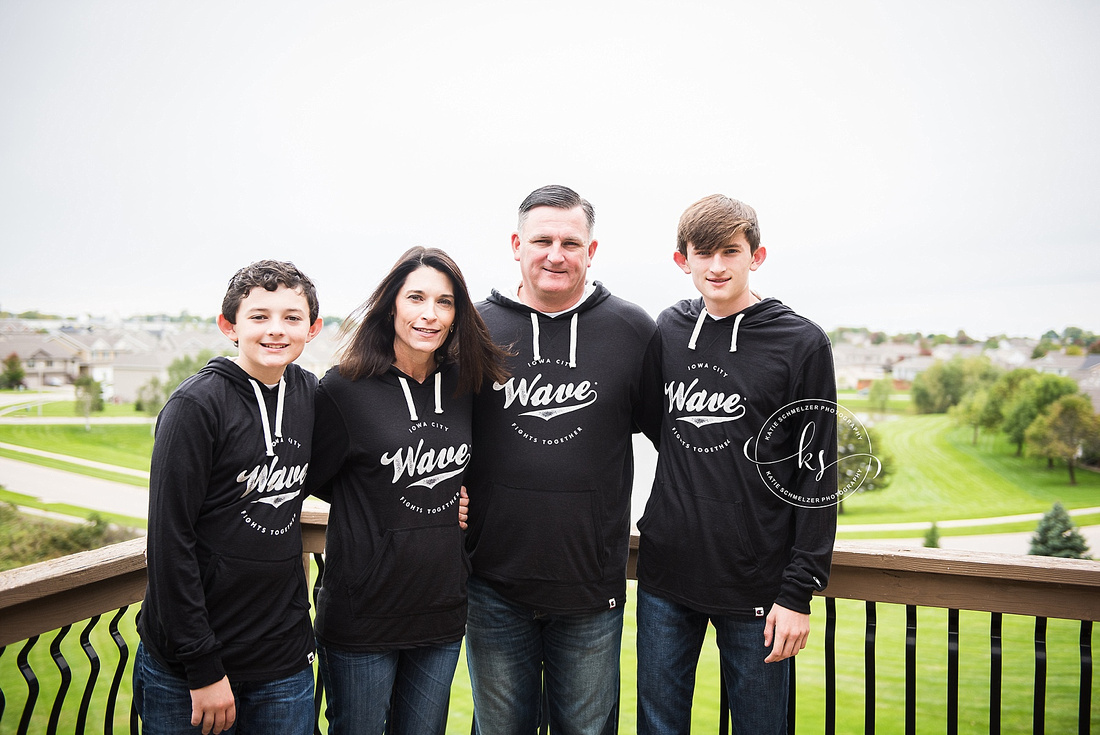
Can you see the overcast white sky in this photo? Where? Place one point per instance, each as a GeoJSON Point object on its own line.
{"type": "Point", "coordinates": [918, 166]}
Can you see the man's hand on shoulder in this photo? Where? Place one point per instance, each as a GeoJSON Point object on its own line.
{"type": "Point", "coordinates": [787, 630]}
{"type": "Point", "coordinates": [213, 708]}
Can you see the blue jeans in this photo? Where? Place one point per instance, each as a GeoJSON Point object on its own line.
{"type": "Point", "coordinates": [361, 687]}
{"type": "Point", "coordinates": [670, 637]}
{"type": "Point", "coordinates": [509, 649]}
{"type": "Point", "coordinates": [163, 701]}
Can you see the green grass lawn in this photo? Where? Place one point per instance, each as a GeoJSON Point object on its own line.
{"type": "Point", "coordinates": [125, 445]}
{"type": "Point", "coordinates": [899, 404]}
{"type": "Point", "coordinates": [941, 476]}
{"type": "Point", "coordinates": [67, 409]}
{"type": "Point", "coordinates": [1062, 680]}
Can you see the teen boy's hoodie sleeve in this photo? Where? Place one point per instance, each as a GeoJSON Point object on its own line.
{"type": "Point", "coordinates": [814, 528]}
{"type": "Point", "coordinates": [179, 474]}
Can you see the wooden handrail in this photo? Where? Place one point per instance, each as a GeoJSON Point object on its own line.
{"type": "Point", "coordinates": [42, 597]}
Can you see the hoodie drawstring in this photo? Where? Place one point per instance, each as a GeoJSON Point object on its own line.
{"type": "Point", "coordinates": [573, 340]}
{"type": "Point", "coordinates": [537, 353]}
{"type": "Point", "coordinates": [736, 325]}
{"type": "Point", "coordinates": [409, 398]}
{"type": "Point", "coordinates": [699, 328]}
{"type": "Point", "coordinates": [535, 335]}
{"type": "Point", "coordinates": [263, 414]}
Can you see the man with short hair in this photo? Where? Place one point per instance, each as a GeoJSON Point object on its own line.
{"type": "Point", "coordinates": [738, 530]}
{"type": "Point", "coordinates": [550, 482]}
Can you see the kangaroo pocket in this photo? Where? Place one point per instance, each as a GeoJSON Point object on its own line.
{"type": "Point", "coordinates": [415, 570]}
{"type": "Point", "coordinates": [541, 535]}
{"type": "Point", "coordinates": [252, 599]}
{"type": "Point", "coordinates": [704, 540]}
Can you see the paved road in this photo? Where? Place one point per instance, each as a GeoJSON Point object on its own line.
{"type": "Point", "coordinates": [58, 486]}
{"type": "Point", "coordinates": [1005, 543]}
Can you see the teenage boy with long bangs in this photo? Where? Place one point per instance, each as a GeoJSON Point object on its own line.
{"type": "Point", "coordinates": [716, 543]}
{"type": "Point", "coordinates": [226, 639]}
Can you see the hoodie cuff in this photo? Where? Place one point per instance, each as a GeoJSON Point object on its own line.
{"type": "Point", "coordinates": [795, 600]}
{"type": "Point", "coordinates": [204, 671]}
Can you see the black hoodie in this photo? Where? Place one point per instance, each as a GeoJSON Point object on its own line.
{"type": "Point", "coordinates": [227, 591]}
{"type": "Point", "coordinates": [553, 468]}
{"type": "Point", "coordinates": [716, 536]}
{"type": "Point", "coordinates": [390, 455]}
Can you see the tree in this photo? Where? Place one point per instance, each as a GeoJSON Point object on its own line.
{"type": "Point", "coordinates": [1041, 349]}
{"type": "Point", "coordinates": [183, 368]}
{"type": "Point", "coordinates": [932, 537]}
{"type": "Point", "coordinates": [1029, 400]}
{"type": "Point", "coordinates": [850, 446]}
{"type": "Point", "coordinates": [879, 394]}
{"type": "Point", "coordinates": [945, 383]}
{"type": "Point", "coordinates": [150, 397]}
{"type": "Point", "coordinates": [89, 397]}
{"type": "Point", "coordinates": [1056, 536]}
{"type": "Point", "coordinates": [1071, 335]}
{"type": "Point", "coordinates": [13, 374]}
{"type": "Point", "coordinates": [976, 410]}
{"type": "Point", "coordinates": [154, 394]}
{"type": "Point", "coordinates": [1066, 431]}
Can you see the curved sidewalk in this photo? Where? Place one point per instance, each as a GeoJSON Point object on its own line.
{"type": "Point", "coordinates": [76, 460]}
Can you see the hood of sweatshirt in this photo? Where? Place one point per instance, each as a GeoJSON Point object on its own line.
{"type": "Point", "coordinates": [407, 385]}
{"type": "Point", "coordinates": [758, 314]}
{"type": "Point", "coordinates": [598, 295]}
{"type": "Point", "coordinates": [252, 390]}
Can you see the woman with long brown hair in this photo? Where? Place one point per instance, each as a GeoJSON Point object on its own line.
{"type": "Point", "coordinates": [391, 442]}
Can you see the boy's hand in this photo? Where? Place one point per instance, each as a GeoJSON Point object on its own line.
{"type": "Point", "coordinates": [788, 629]}
{"type": "Point", "coordinates": [213, 707]}
{"type": "Point", "coordinates": [463, 507]}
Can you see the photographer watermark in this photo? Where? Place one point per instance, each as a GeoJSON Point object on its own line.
{"type": "Point", "coordinates": [798, 477]}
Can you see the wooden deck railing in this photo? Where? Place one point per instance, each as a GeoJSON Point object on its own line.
{"type": "Point", "coordinates": [52, 596]}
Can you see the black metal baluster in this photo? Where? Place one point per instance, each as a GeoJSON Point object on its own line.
{"type": "Point", "coordinates": [723, 704]}
{"type": "Point", "coordinates": [910, 669]}
{"type": "Point", "coordinates": [1085, 709]}
{"type": "Point", "coordinates": [1038, 720]}
{"type": "Point", "coordinates": [791, 699]}
{"type": "Point", "coordinates": [32, 683]}
{"type": "Point", "coordinates": [830, 665]}
{"type": "Point", "coordinates": [952, 672]}
{"type": "Point", "coordinates": [3, 700]}
{"type": "Point", "coordinates": [869, 670]}
{"type": "Point", "coordinates": [116, 681]}
{"type": "Point", "coordinates": [544, 707]}
{"type": "Point", "coordinates": [66, 679]}
{"type": "Point", "coordinates": [93, 674]}
{"type": "Point", "coordinates": [319, 687]}
{"type": "Point", "coordinates": [995, 673]}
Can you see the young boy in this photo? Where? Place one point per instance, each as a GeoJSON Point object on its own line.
{"type": "Point", "coordinates": [225, 630]}
{"type": "Point", "coordinates": [739, 527]}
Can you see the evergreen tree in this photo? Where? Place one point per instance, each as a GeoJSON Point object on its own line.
{"type": "Point", "coordinates": [1056, 536]}
{"type": "Point", "coordinates": [932, 537]}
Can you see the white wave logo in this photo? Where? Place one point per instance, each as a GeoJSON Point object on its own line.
{"type": "Point", "coordinates": [267, 479]}
{"type": "Point", "coordinates": [276, 500]}
{"type": "Point", "coordinates": [547, 395]}
{"type": "Point", "coordinates": [427, 468]}
{"type": "Point", "coordinates": [683, 397]}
